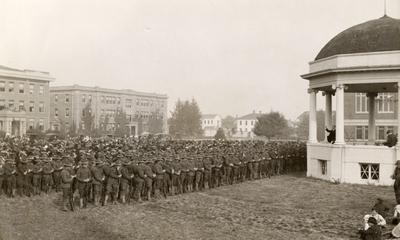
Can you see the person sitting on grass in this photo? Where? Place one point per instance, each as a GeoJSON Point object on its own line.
{"type": "Point", "coordinates": [373, 232]}
{"type": "Point", "coordinates": [380, 221]}
{"type": "Point", "coordinates": [381, 208]}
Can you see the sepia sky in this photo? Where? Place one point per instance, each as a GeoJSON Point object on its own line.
{"type": "Point", "coordinates": [231, 56]}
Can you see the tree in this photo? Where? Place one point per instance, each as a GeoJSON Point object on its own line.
{"type": "Point", "coordinates": [156, 122]}
{"type": "Point", "coordinates": [186, 119]}
{"type": "Point", "coordinates": [120, 121]}
{"type": "Point", "coordinates": [272, 124]}
{"type": "Point", "coordinates": [220, 134]}
{"type": "Point", "coordinates": [228, 122]}
{"type": "Point", "coordinates": [85, 127]}
{"type": "Point", "coordinates": [302, 129]}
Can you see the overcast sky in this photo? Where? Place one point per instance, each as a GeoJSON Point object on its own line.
{"type": "Point", "coordinates": [232, 57]}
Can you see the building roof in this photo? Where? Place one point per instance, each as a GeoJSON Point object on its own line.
{"type": "Point", "coordinates": [77, 87]}
{"type": "Point", "coordinates": [209, 116]}
{"type": "Point", "coordinates": [25, 74]}
{"type": "Point", "coordinates": [379, 35]}
{"type": "Point", "coordinates": [251, 116]}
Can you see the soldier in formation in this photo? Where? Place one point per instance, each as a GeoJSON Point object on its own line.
{"type": "Point", "coordinates": [119, 170]}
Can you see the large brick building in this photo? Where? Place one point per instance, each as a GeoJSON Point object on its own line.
{"type": "Point", "coordinates": [356, 116]}
{"type": "Point", "coordinates": [24, 100]}
{"type": "Point", "coordinates": [99, 108]}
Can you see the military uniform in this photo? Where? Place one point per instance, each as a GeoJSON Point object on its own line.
{"type": "Point", "coordinates": [125, 180]}
{"type": "Point", "coordinates": [97, 181]}
{"type": "Point", "coordinates": [66, 181]}
{"type": "Point", "coordinates": [84, 178]}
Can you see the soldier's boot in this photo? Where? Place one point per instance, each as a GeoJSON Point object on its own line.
{"type": "Point", "coordinates": [197, 187]}
{"type": "Point", "coordinates": [115, 202]}
{"type": "Point", "coordinates": [157, 193]}
{"type": "Point", "coordinates": [123, 198]}
{"type": "Point", "coordinates": [81, 202]}
{"type": "Point", "coordinates": [206, 185]}
{"type": "Point", "coordinates": [148, 195]}
{"type": "Point", "coordinates": [172, 190]}
{"type": "Point", "coordinates": [13, 192]}
{"type": "Point", "coordinates": [105, 200]}
{"type": "Point", "coordinates": [64, 205]}
{"type": "Point", "coordinates": [140, 198]}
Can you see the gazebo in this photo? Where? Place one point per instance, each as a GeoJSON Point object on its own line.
{"type": "Point", "coordinates": [362, 59]}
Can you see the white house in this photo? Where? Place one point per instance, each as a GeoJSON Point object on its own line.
{"type": "Point", "coordinates": [210, 124]}
{"type": "Point", "coordinates": [245, 124]}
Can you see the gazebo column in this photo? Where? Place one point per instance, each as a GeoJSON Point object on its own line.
{"type": "Point", "coordinates": [371, 120]}
{"type": "Point", "coordinates": [398, 114]}
{"type": "Point", "coordinates": [328, 112]}
{"type": "Point", "coordinates": [339, 113]}
{"type": "Point", "coordinates": [312, 137]}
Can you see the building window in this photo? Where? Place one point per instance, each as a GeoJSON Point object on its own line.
{"type": "Point", "coordinates": [31, 89]}
{"type": "Point", "coordinates": [11, 87]}
{"type": "Point", "coordinates": [21, 105]}
{"type": "Point", "coordinates": [41, 107]}
{"type": "Point", "coordinates": [102, 99]}
{"type": "Point", "coordinates": [151, 103]}
{"type": "Point", "coordinates": [240, 122]}
{"type": "Point", "coordinates": [128, 103]}
{"type": "Point", "coordinates": [361, 132]}
{"type": "Point", "coordinates": [31, 106]}
{"type": "Point", "coordinates": [119, 101]}
{"type": "Point", "coordinates": [67, 98]}
{"type": "Point", "coordinates": [137, 102]}
{"type": "Point", "coordinates": [385, 103]}
{"type": "Point", "coordinates": [83, 126]}
{"type": "Point", "coordinates": [66, 126]}
{"type": "Point", "coordinates": [252, 123]}
{"type": "Point", "coordinates": [2, 103]}
{"type": "Point", "coordinates": [245, 123]}
{"type": "Point", "coordinates": [323, 166]}
{"type": "Point", "coordinates": [56, 98]}
{"type": "Point", "coordinates": [56, 112]}
{"type": "Point", "coordinates": [11, 104]}
{"type": "Point", "coordinates": [162, 104]}
{"type": "Point", "coordinates": [2, 86]}
{"type": "Point", "coordinates": [41, 124]}
{"type": "Point", "coordinates": [83, 98]}
{"type": "Point", "coordinates": [380, 133]}
{"type": "Point", "coordinates": [90, 112]}
{"type": "Point", "coordinates": [362, 105]}
{"type": "Point", "coordinates": [41, 89]}
{"type": "Point", "coordinates": [83, 112]}
{"type": "Point", "coordinates": [162, 115]}
{"type": "Point", "coordinates": [369, 171]}
{"type": "Point", "coordinates": [67, 112]}
{"type": "Point", "coordinates": [31, 123]}
{"type": "Point", "coordinates": [90, 98]}
{"type": "Point", "coordinates": [21, 88]}
{"type": "Point", "coordinates": [101, 112]}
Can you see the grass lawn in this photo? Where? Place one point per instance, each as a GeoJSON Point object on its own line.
{"type": "Point", "coordinates": [282, 207]}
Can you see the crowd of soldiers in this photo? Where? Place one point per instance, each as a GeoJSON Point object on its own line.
{"type": "Point", "coordinates": [105, 171]}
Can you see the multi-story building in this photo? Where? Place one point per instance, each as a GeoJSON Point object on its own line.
{"type": "Point", "coordinates": [245, 124]}
{"type": "Point", "coordinates": [100, 108]}
{"type": "Point", "coordinates": [356, 116]}
{"type": "Point", "coordinates": [24, 100]}
{"type": "Point", "coordinates": [210, 124]}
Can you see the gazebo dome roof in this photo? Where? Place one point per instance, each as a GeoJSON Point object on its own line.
{"type": "Point", "coordinates": [377, 35]}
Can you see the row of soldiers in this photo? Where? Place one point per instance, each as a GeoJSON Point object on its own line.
{"type": "Point", "coordinates": [111, 173]}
